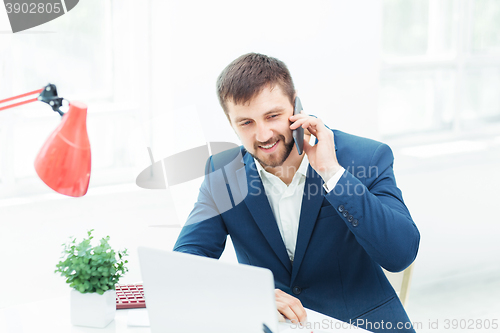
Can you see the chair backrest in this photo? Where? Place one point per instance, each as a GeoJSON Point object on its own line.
{"type": "Point", "coordinates": [401, 282]}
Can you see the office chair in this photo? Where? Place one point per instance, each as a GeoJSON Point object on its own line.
{"type": "Point", "coordinates": [401, 282]}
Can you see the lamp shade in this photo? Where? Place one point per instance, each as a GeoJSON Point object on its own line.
{"type": "Point", "coordinates": [63, 163]}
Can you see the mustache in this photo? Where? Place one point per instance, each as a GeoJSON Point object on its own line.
{"type": "Point", "coordinates": [272, 140]}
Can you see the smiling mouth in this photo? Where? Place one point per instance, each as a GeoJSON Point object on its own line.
{"type": "Point", "coordinates": [269, 146]}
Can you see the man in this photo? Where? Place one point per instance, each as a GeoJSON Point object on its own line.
{"type": "Point", "coordinates": [323, 222]}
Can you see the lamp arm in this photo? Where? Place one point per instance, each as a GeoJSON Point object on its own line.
{"type": "Point", "coordinates": [48, 94]}
{"type": "Point", "coordinates": [19, 103]}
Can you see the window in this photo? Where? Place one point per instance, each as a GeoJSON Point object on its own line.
{"type": "Point", "coordinates": [91, 55]}
{"type": "Point", "coordinates": [441, 65]}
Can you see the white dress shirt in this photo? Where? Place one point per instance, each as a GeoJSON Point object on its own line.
{"type": "Point", "coordinates": [286, 201]}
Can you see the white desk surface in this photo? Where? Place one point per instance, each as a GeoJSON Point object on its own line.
{"type": "Point", "coordinates": [53, 316]}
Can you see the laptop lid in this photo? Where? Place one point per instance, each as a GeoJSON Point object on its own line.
{"type": "Point", "coordinates": [189, 294]}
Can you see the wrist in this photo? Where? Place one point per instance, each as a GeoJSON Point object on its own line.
{"type": "Point", "coordinates": [326, 175]}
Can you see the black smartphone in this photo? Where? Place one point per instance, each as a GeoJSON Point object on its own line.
{"type": "Point", "coordinates": [298, 133]}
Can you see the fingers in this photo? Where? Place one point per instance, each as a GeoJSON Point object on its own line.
{"type": "Point", "coordinates": [304, 120]}
{"type": "Point", "coordinates": [314, 125]}
{"type": "Point", "coordinates": [281, 319]}
{"type": "Point", "coordinates": [302, 115]}
{"type": "Point", "coordinates": [290, 307]}
{"type": "Point", "coordinates": [287, 311]}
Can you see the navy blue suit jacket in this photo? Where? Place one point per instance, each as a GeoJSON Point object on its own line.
{"type": "Point", "coordinates": [344, 236]}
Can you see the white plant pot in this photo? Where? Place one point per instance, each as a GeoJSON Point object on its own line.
{"type": "Point", "coordinates": [92, 309]}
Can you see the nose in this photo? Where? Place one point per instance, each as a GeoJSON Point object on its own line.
{"type": "Point", "coordinates": [264, 133]}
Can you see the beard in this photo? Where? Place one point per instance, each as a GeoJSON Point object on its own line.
{"type": "Point", "coordinates": [281, 157]}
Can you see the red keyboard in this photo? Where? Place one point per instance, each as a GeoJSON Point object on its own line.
{"type": "Point", "coordinates": [130, 296]}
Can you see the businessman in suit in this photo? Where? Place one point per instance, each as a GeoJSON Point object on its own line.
{"type": "Point", "coordinates": [323, 222]}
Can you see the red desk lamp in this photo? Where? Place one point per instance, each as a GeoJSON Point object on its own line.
{"type": "Point", "coordinates": [63, 163]}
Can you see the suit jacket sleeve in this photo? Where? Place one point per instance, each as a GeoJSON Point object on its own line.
{"type": "Point", "coordinates": [376, 213]}
{"type": "Point", "coordinates": [205, 233]}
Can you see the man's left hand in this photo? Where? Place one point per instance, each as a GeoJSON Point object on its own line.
{"type": "Point", "coordinates": [322, 156]}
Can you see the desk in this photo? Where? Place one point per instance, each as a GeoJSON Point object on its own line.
{"type": "Point", "coordinates": [53, 316]}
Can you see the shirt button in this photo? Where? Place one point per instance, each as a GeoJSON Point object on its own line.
{"type": "Point", "coordinates": [296, 290]}
{"type": "Point", "coordinates": [345, 213]}
{"type": "Point", "coordinates": [341, 208]}
{"type": "Point", "coordinates": [355, 223]}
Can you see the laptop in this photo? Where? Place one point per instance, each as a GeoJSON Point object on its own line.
{"type": "Point", "coordinates": [190, 294]}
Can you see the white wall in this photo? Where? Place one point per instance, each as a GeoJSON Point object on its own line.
{"type": "Point", "coordinates": [330, 47]}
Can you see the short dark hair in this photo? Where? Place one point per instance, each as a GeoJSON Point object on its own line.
{"type": "Point", "coordinates": [246, 76]}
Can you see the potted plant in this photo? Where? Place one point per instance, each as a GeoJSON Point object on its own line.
{"type": "Point", "coordinates": [92, 272]}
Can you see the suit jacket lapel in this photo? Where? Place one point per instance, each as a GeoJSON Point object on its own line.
{"type": "Point", "coordinates": [258, 205]}
{"type": "Point", "coordinates": [311, 204]}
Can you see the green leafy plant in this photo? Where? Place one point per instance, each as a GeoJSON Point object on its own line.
{"type": "Point", "coordinates": [91, 269]}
